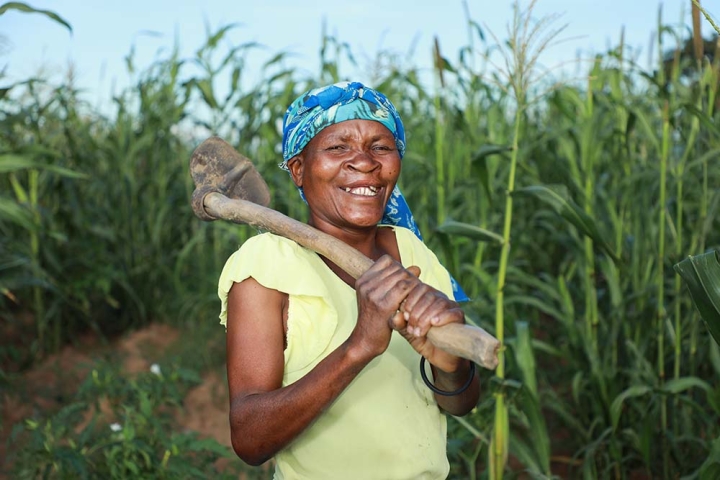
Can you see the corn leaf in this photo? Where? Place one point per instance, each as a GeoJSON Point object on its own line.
{"type": "Point", "coordinates": [470, 231]}
{"type": "Point", "coordinates": [12, 163]}
{"type": "Point", "coordinates": [525, 357]}
{"type": "Point", "coordinates": [710, 469]}
{"type": "Point", "coordinates": [534, 453]}
{"type": "Point", "coordinates": [715, 357]}
{"type": "Point", "coordinates": [558, 199]}
{"type": "Point", "coordinates": [479, 161]}
{"type": "Point", "coordinates": [22, 7]}
{"type": "Point", "coordinates": [677, 385]}
{"type": "Point", "coordinates": [536, 304]}
{"type": "Point", "coordinates": [702, 276]}
{"type": "Point", "coordinates": [13, 212]}
{"type": "Point", "coordinates": [206, 90]}
{"type": "Point", "coordinates": [617, 404]}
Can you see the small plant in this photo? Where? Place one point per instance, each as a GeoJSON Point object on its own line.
{"type": "Point", "coordinates": [128, 435]}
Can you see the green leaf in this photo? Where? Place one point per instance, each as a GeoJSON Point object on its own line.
{"type": "Point", "coordinates": [558, 199]}
{"type": "Point", "coordinates": [702, 275]}
{"type": "Point", "coordinates": [707, 122]}
{"type": "Point", "coordinates": [546, 347]}
{"type": "Point", "coordinates": [677, 385]}
{"type": "Point", "coordinates": [538, 446]}
{"type": "Point", "coordinates": [12, 163]}
{"type": "Point", "coordinates": [612, 279]}
{"type": "Point", "coordinates": [715, 357]}
{"type": "Point", "coordinates": [486, 150]}
{"type": "Point", "coordinates": [525, 357]}
{"type": "Point", "coordinates": [710, 469]}
{"type": "Point", "coordinates": [15, 213]}
{"type": "Point", "coordinates": [536, 304]}
{"type": "Point", "coordinates": [22, 7]}
{"type": "Point", "coordinates": [206, 90]}
{"type": "Point", "coordinates": [480, 164]}
{"type": "Point", "coordinates": [470, 231]}
{"type": "Point", "coordinates": [215, 39]}
{"type": "Point", "coordinates": [617, 404]}
{"type": "Point", "coordinates": [524, 453]}
{"type": "Point", "coordinates": [543, 283]}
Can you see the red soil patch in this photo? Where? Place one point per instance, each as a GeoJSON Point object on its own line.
{"type": "Point", "coordinates": [206, 409]}
{"type": "Point", "coordinates": [45, 388]}
{"type": "Point", "coordinates": [151, 340]}
{"type": "Point", "coordinates": [50, 385]}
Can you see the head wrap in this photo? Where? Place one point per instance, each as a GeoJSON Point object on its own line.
{"type": "Point", "coordinates": [321, 107]}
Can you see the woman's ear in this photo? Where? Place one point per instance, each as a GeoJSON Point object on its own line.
{"type": "Point", "coordinates": [295, 165]}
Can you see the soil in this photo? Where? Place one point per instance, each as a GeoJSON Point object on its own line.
{"type": "Point", "coordinates": [51, 384]}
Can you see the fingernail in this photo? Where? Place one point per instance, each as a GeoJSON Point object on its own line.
{"type": "Point", "coordinates": [406, 316]}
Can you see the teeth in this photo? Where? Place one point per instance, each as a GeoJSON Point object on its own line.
{"type": "Point", "coordinates": [366, 191]}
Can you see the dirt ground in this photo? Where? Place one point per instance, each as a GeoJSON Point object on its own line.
{"type": "Point", "coordinates": [51, 384]}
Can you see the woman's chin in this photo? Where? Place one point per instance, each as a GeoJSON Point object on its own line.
{"type": "Point", "coordinates": [363, 221]}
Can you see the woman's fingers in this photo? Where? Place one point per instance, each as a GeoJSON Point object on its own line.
{"type": "Point", "coordinates": [427, 307]}
{"type": "Point", "coordinates": [385, 284]}
{"type": "Point", "coordinates": [394, 293]}
{"type": "Point", "coordinates": [397, 321]}
{"type": "Point", "coordinates": [415, 270]}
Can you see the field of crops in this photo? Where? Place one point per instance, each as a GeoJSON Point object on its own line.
{"type": "Point", "coordinates": [561, 206]}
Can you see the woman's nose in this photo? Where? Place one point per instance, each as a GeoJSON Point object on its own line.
{"type": "Point", "coordinates": [363, 161]}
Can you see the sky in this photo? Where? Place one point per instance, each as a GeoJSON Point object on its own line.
{"type": "Point", "coordinates": [104, 31]}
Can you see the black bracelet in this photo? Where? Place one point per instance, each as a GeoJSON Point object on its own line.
{"type": "Point", "coordinates": [443, 392]}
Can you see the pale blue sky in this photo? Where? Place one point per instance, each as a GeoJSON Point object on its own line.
{"type": "Point", "coordinates": [104, 31]}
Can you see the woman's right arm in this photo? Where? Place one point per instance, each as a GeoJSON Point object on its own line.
{"type": "Point", "coordinates": [264, 416]}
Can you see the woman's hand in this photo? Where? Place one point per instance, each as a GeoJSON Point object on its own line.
{"type": "Point", "coordinates": [380, 291]}
{"type": "Point", "coordinates": [423, 308]}
{"type": "Point", "coordinates": [391, 297]}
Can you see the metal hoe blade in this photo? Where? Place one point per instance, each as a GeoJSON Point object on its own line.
{"type": "Point", "coordinates": [216, 167]}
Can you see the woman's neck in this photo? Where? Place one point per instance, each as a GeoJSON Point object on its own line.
{"type": "Point", "coordinates": [373, 242]}
{"type": "Point", "coordinates": [369, 240]}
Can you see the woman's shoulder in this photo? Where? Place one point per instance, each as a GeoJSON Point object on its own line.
{"type": "Point", "coordinates": [270, 259]}
{"type": "Point", "coordinates": [269, 243]}
{"type": "Point", "coordinates": [267, 254]}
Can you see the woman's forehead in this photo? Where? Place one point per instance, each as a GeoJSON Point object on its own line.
{"type": "Point", "coordinates": [365, 129]}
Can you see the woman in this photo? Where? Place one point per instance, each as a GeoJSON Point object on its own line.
{"type": "Point", "coordinates": [323, 370]}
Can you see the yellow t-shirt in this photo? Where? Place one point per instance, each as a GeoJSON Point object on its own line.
{"type": "Point", "coordinates": [386, 424]}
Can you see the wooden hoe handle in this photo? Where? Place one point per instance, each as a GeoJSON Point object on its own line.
{"type": "Point", "coordinates": [466, 341]}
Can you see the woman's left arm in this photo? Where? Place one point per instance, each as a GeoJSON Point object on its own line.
{"type": "Point", "coordinates": [426, 307]}
{"type": "Point", "coordinates": [462, 403]}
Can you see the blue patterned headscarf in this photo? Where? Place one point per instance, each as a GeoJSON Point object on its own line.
{"type": "Point", "coordinates": [321, 107]}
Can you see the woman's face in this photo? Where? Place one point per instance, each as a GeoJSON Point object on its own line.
{"type": "Point", "coordinates": [347, 173]}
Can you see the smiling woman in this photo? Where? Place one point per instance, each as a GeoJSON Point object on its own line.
{"type": "Point", "coordinates": [347, 172]}
{"type": "Point", "coordinates": [322, 369]}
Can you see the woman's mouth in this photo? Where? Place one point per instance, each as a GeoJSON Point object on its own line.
{"type": "Point", "coordinates": [368, 191]}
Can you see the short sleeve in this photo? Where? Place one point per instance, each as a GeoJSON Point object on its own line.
{"type": "Point", "coordinates": [283, 265]}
